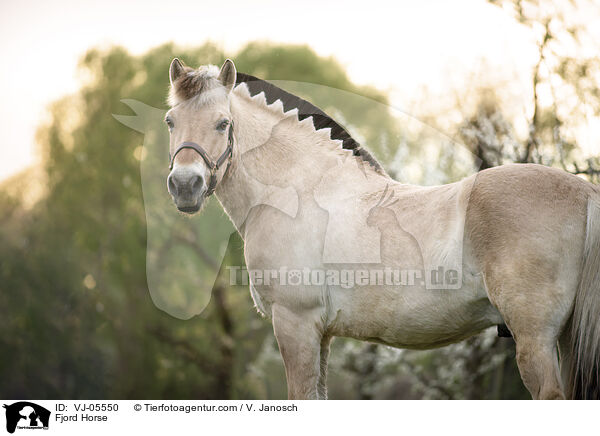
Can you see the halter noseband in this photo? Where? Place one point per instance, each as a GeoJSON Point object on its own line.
{"type": "Point", "coordinates": [213, 166]}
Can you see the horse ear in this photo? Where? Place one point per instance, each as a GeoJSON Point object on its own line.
{"type": "Point", "coordinates": [228, 74]}
{"type": "Point", "coordinates": [175, 70]}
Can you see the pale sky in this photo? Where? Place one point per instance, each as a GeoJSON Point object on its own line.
{"type": "Point", "coordinates": [395, 46]}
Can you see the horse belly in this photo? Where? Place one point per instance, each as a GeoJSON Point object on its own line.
{"type": "Point", "coordinates": [415, 318]}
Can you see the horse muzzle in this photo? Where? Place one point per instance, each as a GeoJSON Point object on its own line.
{"type": "Point", "coordinates": [188, 189]}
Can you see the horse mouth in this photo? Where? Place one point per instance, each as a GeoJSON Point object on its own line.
{"type": "Point", "coordinates": [189, 209]}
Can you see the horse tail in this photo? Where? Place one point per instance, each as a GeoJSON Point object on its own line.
{"type": "Point", "coordinates": [584, 371]}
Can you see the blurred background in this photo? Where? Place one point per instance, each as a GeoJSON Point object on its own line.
{"type": "Point", "coordinates": [437, 90]}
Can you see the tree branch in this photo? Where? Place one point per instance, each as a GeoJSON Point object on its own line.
{"type": "Point", "coordinates": [590, 170]}
{"type": "Point", "coordinates": [533, 140]}
{"type": "Point", "coordinates": [182, 347]}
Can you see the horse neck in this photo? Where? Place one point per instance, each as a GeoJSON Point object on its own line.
{"type": "Point", "coordinates": [277, 159]}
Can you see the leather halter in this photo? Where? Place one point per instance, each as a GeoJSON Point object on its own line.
{"type": "Point", "coordinates": [213, 166]}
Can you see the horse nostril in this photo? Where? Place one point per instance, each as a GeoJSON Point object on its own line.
{"type": "Point", "coordinates": [196, 184]}
{"type": "Point", "coordinates": [172, 186]}
{"type": "Point", "coordinates": [184, 185]}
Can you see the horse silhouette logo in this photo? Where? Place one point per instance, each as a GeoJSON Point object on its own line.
{"type": "Point", "coordinates": [26, 415]}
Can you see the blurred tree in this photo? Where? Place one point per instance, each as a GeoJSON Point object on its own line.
{"type": "Point", "coordinates": [565, 86]}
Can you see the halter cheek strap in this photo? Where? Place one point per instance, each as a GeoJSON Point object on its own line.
{"type": "Point", "coordinates": [213, 166]}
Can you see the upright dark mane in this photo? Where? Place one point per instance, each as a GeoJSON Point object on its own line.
{"type": "Point", "coordinates": [305, 109]}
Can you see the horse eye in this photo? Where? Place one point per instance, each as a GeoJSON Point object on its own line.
{"type": "Point", "coordinates": [222, 125]}
{"type": "Point", "coordinates": [169, 122]}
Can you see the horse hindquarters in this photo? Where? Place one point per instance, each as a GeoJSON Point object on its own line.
{"type": "Point", "coordinates": [528, 227]}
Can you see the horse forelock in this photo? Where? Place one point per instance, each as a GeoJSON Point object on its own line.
{"type": "Point", "coordinates": [193, 83]}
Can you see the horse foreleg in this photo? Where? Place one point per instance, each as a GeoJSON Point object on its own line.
{"type": "Point", "coordinates": [299, 341]}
